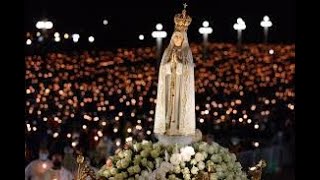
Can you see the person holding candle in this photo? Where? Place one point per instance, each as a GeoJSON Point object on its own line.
{"type": "Point", "coordinates": [35, 169]}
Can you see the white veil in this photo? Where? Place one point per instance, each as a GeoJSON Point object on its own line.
{"type": "Point", "coordinates": [186, 51]}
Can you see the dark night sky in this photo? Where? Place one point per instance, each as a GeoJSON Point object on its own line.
{"type": "Point", "coordinates": [127, 19]}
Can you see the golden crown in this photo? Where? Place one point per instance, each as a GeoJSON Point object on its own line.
{"type": "Point", "coordinates": [182, 20]}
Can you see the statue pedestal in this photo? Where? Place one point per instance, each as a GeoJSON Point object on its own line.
{"type": "Point", "coordinates": [171, 140]}
{"type": "Point", "coordinates": [179, 140]}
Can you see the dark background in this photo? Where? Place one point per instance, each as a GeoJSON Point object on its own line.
{"type": "Point", "coordinates": [128, 19]}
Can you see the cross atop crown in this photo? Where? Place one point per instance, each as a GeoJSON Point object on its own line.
{"type": "Point", "coordinates": [185, 5]}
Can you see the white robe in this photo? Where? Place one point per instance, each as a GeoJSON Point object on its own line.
{"type": "Point", "coordinates": [184, 100]}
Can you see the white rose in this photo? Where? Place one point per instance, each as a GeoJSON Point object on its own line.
{"type": "Point", "coordinates": [106, 173]}
{"type": "Point", "coordinates": [186, 157]}
{"type": "Point", "coordinates": [131, 170]}
{"type": "Point", "coordinates": [193, 162]}
{"type": "Point", "coordinates": [158, 162]}
{"type": "Point", "coordinates": [151, 175]}
{"type": "Point", "coordinates": [144, 173]}
{"type": "Point", "coordinates": [127, 154]}
{"type": "Point", "coordinates": [233, 157]}
{"type": "Point", "coordinates": [113, 171]}
{"type": "Point", "coordinates": [147, 145]}
{"type": "Point", "coordinates": [137, 160]}
{"type": "Point", "coordinates": [166, 167]}
{"type": "Point", "coordinates": [219, 168]}
{"type": "Point", "coordinates": [211, 150]}
{"type": "Point", "coordinates": [177, 169]}
{"type": "Point", "coordinates": [194, 170]}
{"type": "Point", "coordinates": [201, 165]}
{"type": "Point", "coordinates": [238, 165]}
{"type": "Point", "coordinates": [118, 176]}
{"type": "Point", "coordinates": [223, 150]}
{"type": "Point", "coordinates": [187, 150]}
{"type": "Point", "coordinates": [229, 177]}
{"type": "Point", "coordinates": [216, 158]}
{"type": "Point", "coordinates": [175, 159]}
{"type": "Point", "coordinates": [121, 154]}
{"type": "Point", "coordinates": [185, 170]}
{"type": "Point", "coordinates": [172, 177]}
{"type": "Point", "coordinates": [205, 155]}
{"type": "Point", "coordinates": [136, 169]}
{"type": "Point", "coordinates": [203, 146]}
{"type": "Point", "coordinates": [155, 153]}
{"type": "Point", "coordinates": [220, 174]}
{"type": "Point", "coordinates": [145, 153]}
{"type": "Point", "coordinates": [124, 163]}
{"type": "Point", "coordinates": [199, 157]}
{"type": "Point", "coordinates": [137, 147]}
{"type": "Point", "coordinates": [144, 162]}
{"type": "Point", "coordinates": [118, 164]}
{"type": "Point", "coordinates": [160, 174]}
{"type": "Point", "coordinates": [150, 165]}
{"type": "Point", "coordinates": [214, 144]}
{"type": "Point", "coordinates": [209, 163]}
{"type": "Point", "coordinates": [182, 164]}
{"type": "Point", "coordinates": [186, 176]}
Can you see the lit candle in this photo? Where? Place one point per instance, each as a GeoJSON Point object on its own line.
{"type": "Point", "coordinates": [44, 166]}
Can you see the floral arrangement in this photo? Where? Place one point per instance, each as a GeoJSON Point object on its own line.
{"type": "Point", "coordinates": [151, 161]}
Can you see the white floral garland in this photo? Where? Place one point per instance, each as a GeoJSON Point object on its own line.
{"type": "Point", "coordinates": [150, 161]}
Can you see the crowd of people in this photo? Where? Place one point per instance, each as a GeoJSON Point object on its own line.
{"type": "Point", "coordinates": [97, 101]}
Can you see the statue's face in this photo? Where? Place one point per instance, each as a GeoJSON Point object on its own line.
{"type": "Point", "coordinates": [177, 39]}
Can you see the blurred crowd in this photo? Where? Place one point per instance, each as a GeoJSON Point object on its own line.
{"type": "Point", "coordinates": [97, 101]}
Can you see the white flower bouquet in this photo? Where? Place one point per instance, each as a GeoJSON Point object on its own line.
{"type": "Point", "coordinates": [149, 161]}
